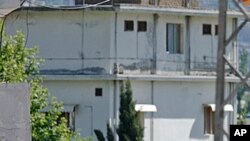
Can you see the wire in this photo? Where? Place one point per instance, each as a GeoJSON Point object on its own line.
{"type": "Point", "coordinates": [2, 27]}
{"type": "Point", "coordinates": [27, 27]}
{"type": "Point", "coordinates": [65, 8]}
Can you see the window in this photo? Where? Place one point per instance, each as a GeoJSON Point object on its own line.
{"type": "Point", "coordinates": [216, 30]}
{"type": "Point", "coordinates": [208, 120]}
{"type": "Point", "coordinates": [173, 38]}
{"type": "Point", "coordinates": [98, 91]}
{"type": "Point", "coordinates": [70, 118]}
{"type": "Point", "coordinates": [68, 112]}
{"type": "Point", "coordinates": [128, 25]}
{"type": "Point", "coordinates": [206, 29]}
{"type": "Point", "coordinates": [142, 26]}
{"type": "Point", "coordinates": [78, 2]}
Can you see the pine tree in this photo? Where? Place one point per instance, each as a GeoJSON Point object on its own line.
{"type": "Point", "coordinates": [243, 68]}
{"type": "Point", "coordinates": [110, 134]}
{"type": "Point", "coordinates": [129, 127]}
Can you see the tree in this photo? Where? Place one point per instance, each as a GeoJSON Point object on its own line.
{"type": "Point", "coordinates": [19, 64]}
{"type": "Point", "coordinates": [110, 133]}
{"type": "Point", "coordinates": [129, 127]}
{"type": "Point", "coordinates": [243, 68]}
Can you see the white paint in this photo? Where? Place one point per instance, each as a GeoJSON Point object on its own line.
{"type": "Point", "coordinates": [227, 107]}
{"type": "Point", "coordinates": [90, 40]}
{"type": "Point", "coordinates": [145, 108]}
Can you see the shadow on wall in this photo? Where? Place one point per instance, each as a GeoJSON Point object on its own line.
{"type": "Point", "coordinates": [85, 71]}
{"type": "Point", "coordinates": [197, 130]}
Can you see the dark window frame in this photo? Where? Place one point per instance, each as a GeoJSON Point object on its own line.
{"type": "Point", "coordinates": [142, 26]}
{"type": "Point", "coordinates": [216, 30]}
{"type": "Point", "coordinates": [128, 25]}
{"type": "Point", "coordinates": [98, 92]}
{"type": "Point", "coordinates": [207, 29]}
{"type": "Point", "coordinates": [209, 120]}
{"type": "Point", "coordinates": [173, 42]}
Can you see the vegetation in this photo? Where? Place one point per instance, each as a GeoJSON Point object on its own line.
{"type": "Point", "coordinates": [129, 127]}
{"type": "Point", "coordinates": [19, 64]}
{"type": "Point", "coordinates": [99, 135]}
{"type": "Point", "coordinates": [243, 68]}
{"type": "Point", "coordinates": [110, 134]}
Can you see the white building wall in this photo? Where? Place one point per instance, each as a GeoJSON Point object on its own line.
{"type": "Point", "coordinates": [92, 112]}
{"type": "Point", "coordinates": [179, 116]}
{"type": "Point", "coordinates": [92, 41]}
{"type": "Point", "coordinates": [69, 40]}
{"type": "Point", "coordinates": [167, 62]}
{"type": "Point", "coordinates": [204, 47]}
{"type": "Point", "coordinates": [87, 40]}
{"type": "Point", "coordinates": [134, 49]}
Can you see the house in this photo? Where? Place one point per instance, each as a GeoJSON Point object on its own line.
{"type": "Point", "coordinates": [167, 48]}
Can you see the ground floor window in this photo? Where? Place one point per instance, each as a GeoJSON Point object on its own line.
{"type": "Point", "coordinates": [208, 120]}
{"type": "Point", "coordinates": [68, 112]}
{"type": "Point", "coordinates": [70, 118]}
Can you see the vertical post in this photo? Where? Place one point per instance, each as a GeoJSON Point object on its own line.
{"type": "Point", "coordinates": [154, 59]}
{"type": "Point", "coordinates": [187, 46]}
{"type": "Point", "coordinates": [220, 81]}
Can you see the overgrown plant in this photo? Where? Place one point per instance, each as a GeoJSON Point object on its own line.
{"type": "Point", "coordinates": [19, 64]}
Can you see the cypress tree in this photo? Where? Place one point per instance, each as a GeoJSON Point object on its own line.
{"type": "Point", "coordinates": [129, 127]}
{"type": "Point", "coordinates": [110, 134]}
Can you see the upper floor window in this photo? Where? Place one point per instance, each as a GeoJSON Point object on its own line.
{"type": "Point", "coordinates": [216, 30]}
{"type": "Point", "coordinates": [128, 25]}
{"type": "Point", "coordinates": [206, 29]}
{"type": "Point", "coordinates": [173, 38]}
{"type": "Point", "coordinates": [142, 26]}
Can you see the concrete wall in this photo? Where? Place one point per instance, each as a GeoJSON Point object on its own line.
{"type": "Point", "coordinates": [92, 112]}
{"type": "Point", "coordinates": [15, 112]}
{"type": "Point", "coordinates": [91, 42]}
{"type": "Point", "coordinates": [204, 47]}
{"type": "Point", "coordinates": [134, 49]}
{"type": "Point", "coordinates": [167, 62]}
{"type": "Point", "coordinates": [179, 115]}
{"type": "Point", "coordinates": [67, 40]}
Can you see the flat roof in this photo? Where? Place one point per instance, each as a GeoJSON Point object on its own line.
{"type": "Point", "coordinates": [140, 9]}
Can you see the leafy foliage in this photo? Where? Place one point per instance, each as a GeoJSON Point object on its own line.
{"type": "Point", "coordinates": [129, 126]}
{"type": "Point", "coordinates": [242, 116]}
{"type": "Point", "coordinates": [243, 68]}
{"type": "Point", "coordinates": [19, 64]}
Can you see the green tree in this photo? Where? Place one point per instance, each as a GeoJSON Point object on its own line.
{"type": "Point", "coordinates": [110, 133]}
{"type": "Point", "coordinates": [129, 127]}
{"type": "Point", "coordinates": [243, 68]}
{"type": "Point", "coordinates": [19, 64]}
